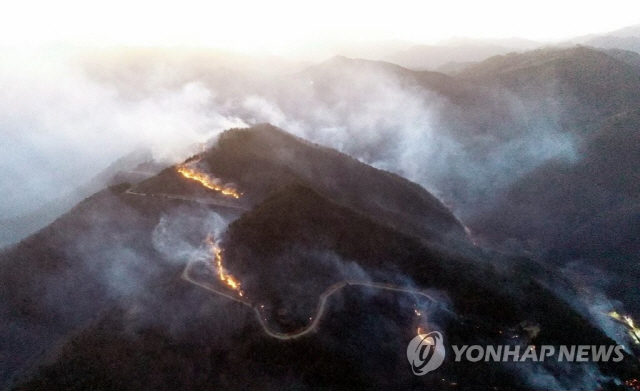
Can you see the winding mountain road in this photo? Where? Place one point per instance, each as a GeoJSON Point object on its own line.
{"type": "Point", "coordinates": [311, 327]}
{"type": "Point", "coordinates": [189, 199]}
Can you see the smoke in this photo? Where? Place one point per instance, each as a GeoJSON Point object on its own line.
{"type": "Point", "coordinates": [388, 119]}
{"type": "Point", "coordinates": [563, 376]}
{"type": "Point", "coordinates": [178, 236]}
{"type": "Point", "coordinates": [136, 271]}
{"type": "Point", "coordinates": [590, 299]}
{"type": "Point", "coordinates": [345, 270]}
{"type": "Point", "coordinates": [64, 121]}
{"type": "Point", "coordinates": [59, 128]}
{"type": "Point", "coordinates": [62, 126]}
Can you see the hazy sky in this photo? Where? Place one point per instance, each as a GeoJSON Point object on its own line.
{"type": "Point", "coordinates": [279, 24]}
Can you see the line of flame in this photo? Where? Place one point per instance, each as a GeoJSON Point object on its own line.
{"type": "Point", "coordinates": [634, 331]}
{"type": "Point", "coordinates": [225, 277]}
{"type": "Point", "coordinates": [207, 182]}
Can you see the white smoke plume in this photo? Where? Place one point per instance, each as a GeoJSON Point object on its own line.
{"type": "Point", "coordinates": [59, 128]}
{"type": "Point", "coordinates": [178, 236]}
{"type": "Point", "coordinates": [64, 121]}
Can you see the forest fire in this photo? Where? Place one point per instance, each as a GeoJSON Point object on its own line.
{"type": "Point", "coordinates": [418, 315]}
{"type": "Point", "coordinates": [225, 277]}
{"type": "Point", "coordinates": [634, 384]}
{"type": "Point", "coordinates": [633, 330]}
{"type": "Point", "coordinates": [206, 181]}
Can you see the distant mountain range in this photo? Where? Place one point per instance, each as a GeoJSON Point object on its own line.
{"type": "Point", "coordinates": [181, 277]}
{"type": "Point", "coordinates": [452, 55]}
{"type": "Point", "coordinates": [456, 51]}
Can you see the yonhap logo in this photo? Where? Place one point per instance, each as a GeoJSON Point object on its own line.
{"type": "Point", "coordinates": [426, 353]}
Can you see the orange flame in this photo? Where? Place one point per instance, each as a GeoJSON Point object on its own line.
{"type": "Point", "coordinates": [225, 277]}
{"type": "Point", "coordinates": [633, 330]}
{"type": "Point", "coordinates": [207, 182]}
{"type": "Point", "coordinates": [634, 384]}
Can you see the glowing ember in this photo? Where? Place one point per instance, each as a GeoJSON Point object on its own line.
{"type": "Point", "coordinates": [470, 236]}
{"type": "Point", "coordinates": [633, 330]}
{"type": "Point", "coordinates": [207, 181]}
{"type": "Point", "coordinates": [633, 384]}
{"type": "Point", "coordinates": [225, 277]}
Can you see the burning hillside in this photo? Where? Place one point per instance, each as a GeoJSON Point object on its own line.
{"type": "Point", "coordinates": [320, 272]}
{"type": "Point", "coordinates": [207, 181]}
